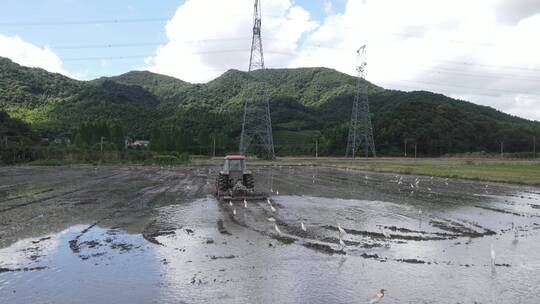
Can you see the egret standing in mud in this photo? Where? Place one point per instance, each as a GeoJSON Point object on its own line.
{"type": "Point", "coordinates": [378, 297]}
{"type": "Point", "coordinates": [341, 243]}
{"type": "Point", "coordinates": [492, 257]}
{"type": "Point", "coordinates": [515, 230]}
{"type": "Point", "coordinates": [303, 226]}
{"type": "Point", "coordinates": [271, 219]}
{"type": "Point", "coordinates": [245, 204]}
{"type": "Point", "coordinates": [230, 203]}
{"type": "Point", "coordinates": [277, 229]}
{"type": "Point", "coordinates": [341, 230]}
{"type": "Point", "coordinates": [277, 192]}
{"type": "Point", "coordinates": [386, 234]}
{"type": "Point", "coordinates": [234, 211]}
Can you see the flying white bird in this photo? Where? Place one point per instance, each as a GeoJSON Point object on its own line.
{"type": "Point", "coordinates": [245, 204]}
{"type": "Point", "coordinates": [378, 297]}
{"type": "Point", "coordinates": [277, 229]}
{"type": "Point", "coordinates": [303, 226]}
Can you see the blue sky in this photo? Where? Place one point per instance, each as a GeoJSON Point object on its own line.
{"type": "Point", "coordinates": [73, 43]}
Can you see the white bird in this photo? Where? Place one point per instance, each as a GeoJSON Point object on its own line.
{"type": "Point", "coordinates": [277, 229]}
{"type": "Point", "coordinates": [492, 256]}
{"type": "Point", "coordinates": [386, 234]}
{"type": "Point", "coordinates": [272, 208]}
{"type": "Point", "coordinates": [234, 211]}
{"type": "Point", "coordinates": [271, 219]}
{"type": "Point", "coordinates": [303, 226]}
{"type": "Point", "coordinates": [268, 202]}
{"type": "Point", "coordinates": [412, 186]}
{"type": "Point", "coordinates": [342, 243]}
{"type": "Point", "coordinates": [271, 190]}
{"type": "Point", "coordinates": [377, 298]}
{"type": "Point", "coordinates": [245, 204]}
{"type": "Point", "coordinates": [341, 230]}
{"type": "Point", "coordinates": [277, 192]}
{"type": "Point", "coordinates": [515, 230]}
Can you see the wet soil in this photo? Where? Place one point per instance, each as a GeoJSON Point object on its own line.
{"type": "Point", "coordinates": [156, 234]}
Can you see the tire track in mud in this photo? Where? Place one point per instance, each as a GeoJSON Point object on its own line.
{"type": "Point", "coordinates": [454, 230]}
{"type": "Point", "coordinates": [298, 237]}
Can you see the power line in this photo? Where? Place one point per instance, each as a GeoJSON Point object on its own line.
{"type": "Point", "coordinates": [133, 44]}
{"type": "Point", "coordinates": [82, 22]}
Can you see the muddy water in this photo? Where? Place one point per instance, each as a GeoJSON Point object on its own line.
{"type": "Point", "coordinates": [156, 235]}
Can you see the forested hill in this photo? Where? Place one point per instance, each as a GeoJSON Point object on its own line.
{"type": "Point", "coordinates": [307, 104]}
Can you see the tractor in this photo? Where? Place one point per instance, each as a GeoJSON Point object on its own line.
{"type": "Point", "coordinates": [235, 182]}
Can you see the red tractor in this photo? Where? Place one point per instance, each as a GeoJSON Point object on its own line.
{"type": "Point", "coordinates": [235, 182]}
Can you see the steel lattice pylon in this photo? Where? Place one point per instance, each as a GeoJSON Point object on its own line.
{"type": "Point", "coordinates": [257, 122]}
{"type": "Point", "coordinates": [361, 129]}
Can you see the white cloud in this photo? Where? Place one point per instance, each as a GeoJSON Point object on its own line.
{"type": "Point", "coordinates": [208, 37]}
{"type": "Point", "coordinates": [328, 7]}
{"type": "Point", "coordinates": [29, 55]}
{"type": "Point", "coordinates": [459, 48]}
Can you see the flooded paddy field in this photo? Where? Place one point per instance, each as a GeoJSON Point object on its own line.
{"type": "Point", "coordinates": [157, 235]}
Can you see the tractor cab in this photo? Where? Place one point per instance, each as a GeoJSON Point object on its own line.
{"type": "Point", "coordinates": [234, 163]}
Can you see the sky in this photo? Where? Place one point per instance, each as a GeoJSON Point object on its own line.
{"type": "Point", "coordinates": [483, 51]}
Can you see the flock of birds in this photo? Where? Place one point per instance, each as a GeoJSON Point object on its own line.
{"type": "Point", "coordinates": [342, 233]}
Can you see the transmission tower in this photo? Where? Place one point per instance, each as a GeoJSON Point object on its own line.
{"type": "Point", "coordinates": [361, 130]}
{"type": "Point", "coordinates": [257, 122]}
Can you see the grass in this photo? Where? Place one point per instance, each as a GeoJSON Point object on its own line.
{"type": "Point", "coordinates": [510, 171]}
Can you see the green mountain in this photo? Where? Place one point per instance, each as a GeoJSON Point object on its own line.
{"type": "Point", "coordinates": [307, 104]}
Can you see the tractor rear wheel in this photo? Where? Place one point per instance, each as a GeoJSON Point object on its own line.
{"type": "Point", "coordinates": [248, 181]}
{"type": "Point", "coordinates": [223, 182]}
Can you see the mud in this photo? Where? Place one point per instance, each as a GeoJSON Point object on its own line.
{"type": "Point", "coordinates": [156, 234]}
